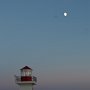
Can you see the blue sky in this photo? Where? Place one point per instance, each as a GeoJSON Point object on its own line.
{"type": "Point", "coordinates": [35, 33]}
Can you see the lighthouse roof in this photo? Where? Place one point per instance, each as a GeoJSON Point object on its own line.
{"type": "Point", "coordinates": [26, 67]}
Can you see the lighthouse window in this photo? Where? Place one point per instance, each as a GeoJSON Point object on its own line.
{"type": "Point", "coordinates": [23, 73]}
{"type": "Point", "coordinates": [27, 73]}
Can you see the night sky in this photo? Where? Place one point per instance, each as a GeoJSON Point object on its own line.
{"type": "Point", "coordinates": [37, 34]}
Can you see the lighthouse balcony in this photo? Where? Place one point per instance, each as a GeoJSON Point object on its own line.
{"type": "Point", "coordinates": [25, 79]}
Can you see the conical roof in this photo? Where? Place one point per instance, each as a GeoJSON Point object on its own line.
{"type": "Point", "coordinates": [26, 67]}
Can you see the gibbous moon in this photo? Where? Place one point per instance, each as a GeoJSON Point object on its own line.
{"type": "Point", "coordinates": [65, 14]}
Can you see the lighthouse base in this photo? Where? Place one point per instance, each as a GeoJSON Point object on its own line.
{"type": "Point", "coordinates": [26, 87]}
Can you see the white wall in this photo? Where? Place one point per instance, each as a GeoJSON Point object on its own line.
{"type": "Point", "coordinates": [26, 87]}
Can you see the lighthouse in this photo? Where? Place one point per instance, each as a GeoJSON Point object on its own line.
{"type": "Point", "coordinates": [26, 81]}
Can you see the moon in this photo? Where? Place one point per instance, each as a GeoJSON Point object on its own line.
{"type": "Point", "coordinates": [65, 14]}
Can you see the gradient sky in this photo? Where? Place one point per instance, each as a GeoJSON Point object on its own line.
{"type": "Point", "coordinates": [57, 48]}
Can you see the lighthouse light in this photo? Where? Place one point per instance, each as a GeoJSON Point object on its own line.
{"type": "Point", "coordinates": [28, 73]}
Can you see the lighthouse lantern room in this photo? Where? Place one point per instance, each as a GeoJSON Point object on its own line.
{"type": "Point", "coordinates": [26, 80]}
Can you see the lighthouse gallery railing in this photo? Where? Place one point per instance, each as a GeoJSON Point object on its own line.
{"type": "Point", "coordinates": [18, 78]}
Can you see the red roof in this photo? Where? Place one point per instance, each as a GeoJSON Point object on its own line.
{"type": "Point", "coordinates": [26, 67]}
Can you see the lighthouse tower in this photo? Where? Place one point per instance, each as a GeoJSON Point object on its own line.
{"type": "Point", "coordinates": [26, 80]}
